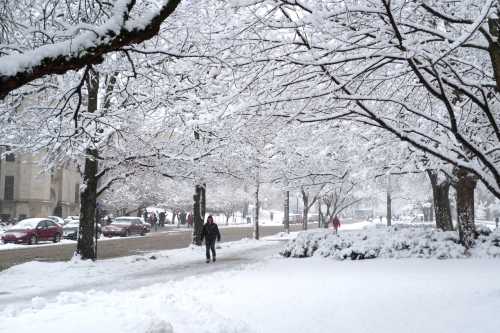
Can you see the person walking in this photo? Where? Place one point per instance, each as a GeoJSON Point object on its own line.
{"type": "Point", "coordinates": [190, 220]}
{"type": "Point", "coordinates": [210, 233]}
{"type": "Point", "coordinates": [336, 223]}
{"type": "Point", "coordinates": [161, 219]}
{"type": "Point", "coordinates": [153, 220]}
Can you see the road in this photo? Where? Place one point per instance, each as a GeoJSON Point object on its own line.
{"type": "Point", "coordinates": [119, 247]}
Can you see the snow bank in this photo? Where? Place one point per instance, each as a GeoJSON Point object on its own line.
{"type": "Point", "coordinates": [392, 242]}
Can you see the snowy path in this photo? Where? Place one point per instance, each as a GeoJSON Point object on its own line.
{"type": "Point", "coordinates": [43, 279]}
{"type": "Point", "coordinates": [250, 289]}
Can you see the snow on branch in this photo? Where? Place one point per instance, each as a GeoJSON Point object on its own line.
{"type": "Point", "coordinates": [87, 48]}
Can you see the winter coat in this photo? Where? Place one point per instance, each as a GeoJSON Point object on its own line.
{"type": "Point", "coordinates": [336, 222]}
{"type": "Point", "coordinates": [210, 232]}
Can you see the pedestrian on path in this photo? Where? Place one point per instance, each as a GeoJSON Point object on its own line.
{"type": "Point", "coordinates": [190, 220]}
{"type": "Point", "coordinates": [210, 233]}
{"type": "Point", "coordinates": [153, 220]}
{"type": "Point", "coordinates": [336, 223]}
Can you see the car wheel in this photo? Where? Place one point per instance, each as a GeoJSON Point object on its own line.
{"type": "Point", "coordinates": [57, 238]}
{"type": "Point", "coordinates": [33, 240]}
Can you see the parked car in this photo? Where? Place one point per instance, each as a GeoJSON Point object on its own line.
{"type": "Point", "coordinates": [30, 231]}
{"type": "Point", "coordinates": [146, 225]}
{"type": "Point", "coordinates": [125, 226]}
{"type": "Point", "coordinates": [57, 219]}
{"type": "Point", "coordinates": [70, 230]}
{"type": "Point", "coordinates": [71, 218]}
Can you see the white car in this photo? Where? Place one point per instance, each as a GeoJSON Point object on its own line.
{"type": "Point", "coordinates": [57, 219]}
{"type": "Point", "coordinates": [71, 218]}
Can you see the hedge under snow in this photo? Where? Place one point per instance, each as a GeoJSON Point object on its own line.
{"type": "Point", "coordinates": [391, 242]}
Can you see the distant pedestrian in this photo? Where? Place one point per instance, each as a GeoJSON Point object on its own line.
{"type": "Point", "coordinates": [336, 223]}
{"type": "Point", "coordinates": [145, 216]}
{"type": "Point", "coordinates": [153, 221]}
{"type": "Point", "coordinates": [182, 217]}
{"type": "Point", "coordinates": [190, 220]}
{"type": "Point", "coordinates": [496, 222]}
{"type": "Point", "coordinates": [210, 233]}
{"type": "Point", "coordinates": [161, 219]}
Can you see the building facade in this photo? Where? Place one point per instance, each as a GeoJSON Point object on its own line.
{"type": "Point", "coordinates": [27, 191]}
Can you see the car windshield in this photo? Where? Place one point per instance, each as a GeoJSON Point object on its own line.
{"type": "Point", "coordinates": [26, 224]}
{"type": "Point", "coordinates": [122, 221]}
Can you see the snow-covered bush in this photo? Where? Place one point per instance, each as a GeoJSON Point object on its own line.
{"type": "Point", "coordinates": [389, 243]}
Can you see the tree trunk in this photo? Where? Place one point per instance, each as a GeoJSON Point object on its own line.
{"type": "Point", "coordinates": [305, 209]}
{"type": "Point", "coordinates": [320, 214]}
{"type": "Point", "coordinates": [203, 202]}
{"type": "Point", "coordinates": [441, 200]}
{"type": "Point", "coordinates": [328, 216]}
{"type": "Point", "coordinates": [87, 243]}
{"type": "Point", "coordinates": [431, 214]}
{"type": "Point", "coordinates": [197, 220]}
{"type": "Point", "coordinates": [88, 201]}
{"type": "Point", "coordinates": [286, 208]}
{"type": "Point", "coordinates": [256, 220]}
{"type": "Point", "coordinates": [465, 186]}
{"type": "Point", "coordinates": [389, 207]}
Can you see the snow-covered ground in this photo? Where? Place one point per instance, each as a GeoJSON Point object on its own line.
{"type": "Point", "coordinates": [250, 289]}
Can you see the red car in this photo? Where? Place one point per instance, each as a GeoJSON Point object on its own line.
{"type": "Point", "coordinates": [30, 231]}
{"type": "Point", "coordinates": [125, 226]}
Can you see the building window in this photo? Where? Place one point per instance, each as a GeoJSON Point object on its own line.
{"type": "Point", "coordinates": [9, 188]}
{"type": "Point", "coordinates": [10, 157]}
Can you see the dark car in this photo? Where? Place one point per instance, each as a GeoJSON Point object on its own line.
{"type": "Point", "coordinates": [70, 230]}
{"type": "Point", "coordinates": [30, 231]}
{"type": "Point", "coordinates": [125, 226]}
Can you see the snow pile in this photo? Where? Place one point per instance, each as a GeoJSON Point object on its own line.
{"type": "Point", "coordinates": [390, 243]}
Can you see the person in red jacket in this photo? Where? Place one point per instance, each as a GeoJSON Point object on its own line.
{"type": "Point", "coordinates": [336, 223]}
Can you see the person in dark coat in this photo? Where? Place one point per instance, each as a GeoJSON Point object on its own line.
{"type": "Point", "coordinates": [153, 220]}
{"type": "Point", "coordinates": [162, 217]}
{"type": "Point", "coordinates": [336, 223]}
{"type": "Point", "coordinates": [210, 233]}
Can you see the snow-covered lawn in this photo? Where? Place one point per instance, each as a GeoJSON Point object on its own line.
{"type": "Point", "coordinates": [251, 290]}
{"type": "Point", "coordinates": [394, 242]}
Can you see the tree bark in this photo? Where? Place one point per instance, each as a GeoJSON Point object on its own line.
{"type": "Point", "coordinates": [197, 220]}
{"type": "Point", "coordinates": [87, 244]}
{"type": "Point", "coordinates": [389, 202]}
{"type": "Point", "coordinates": [88, 201]}
{"type": "Point", "coordinates": [465, 186]}
{"type": "Point", "coordinates": [441, 200]}
{"type": "Point", "coordinates": [256, 219]}
{"type": "Point", "coordinates": [305, 208]}
{"type": "Point", "coordinates": [286, 211]}
{"type": "Point", "coordinates": [320, 215]}
{"type": "Point", "coordinates": [203, 202]}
